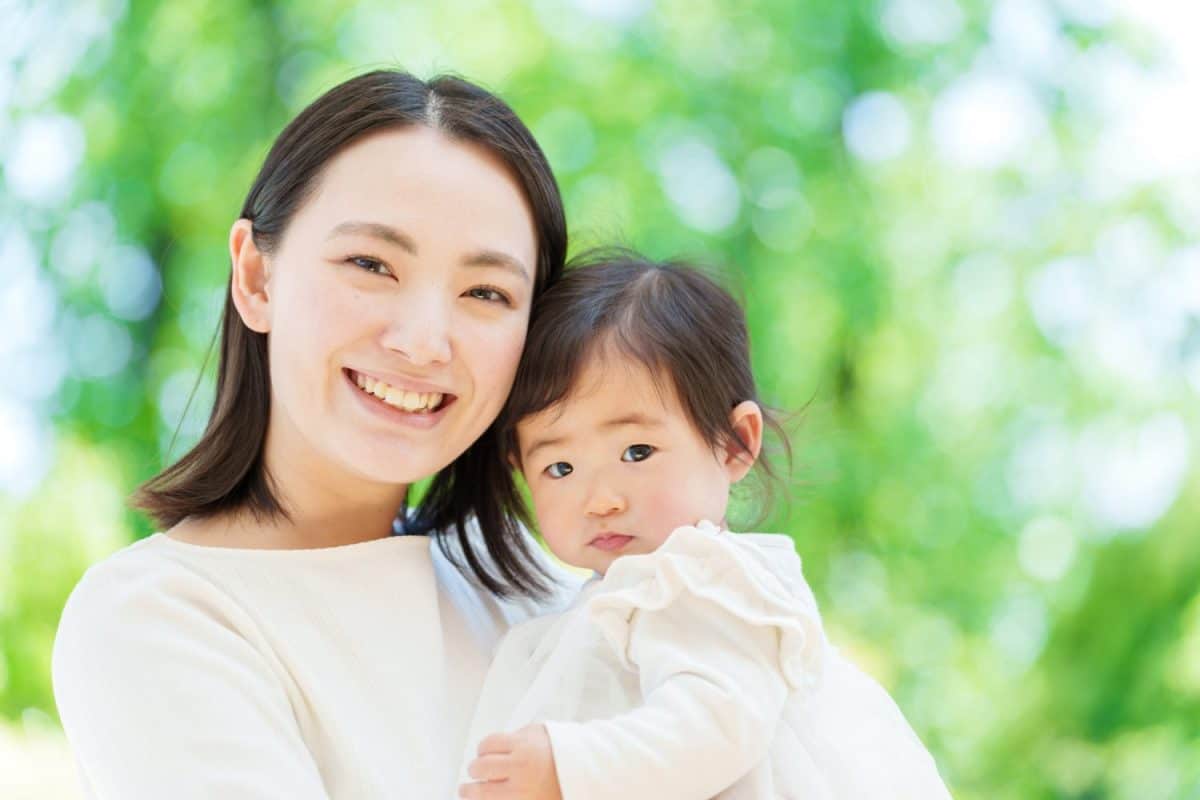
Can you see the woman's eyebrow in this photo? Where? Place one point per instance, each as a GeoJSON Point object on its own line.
{"type": "Point", "coordinates": [375, 230]}
{"type": "Point", "coordinates": [494, 258]}
{"type": "Point", "coordinates": [379, 230]}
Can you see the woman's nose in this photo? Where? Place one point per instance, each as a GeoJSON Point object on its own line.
{"type": "Point", "coordinates": [420, 331]}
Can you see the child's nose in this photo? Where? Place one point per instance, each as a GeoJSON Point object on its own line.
{"type": "Point", "coordinates": [604, 501]}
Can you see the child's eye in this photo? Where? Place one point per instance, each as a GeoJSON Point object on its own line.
{"type": "Point", "coordinates": [369, 264]}
{"type": "Point", "coordinates": [559, 469]}
{"type": "Point", "coordinates": [637, 452]}
{"type": "Point", "coordinates": [490, 294]}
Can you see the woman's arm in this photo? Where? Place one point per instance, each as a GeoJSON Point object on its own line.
{"type": "Point", "coordinates": [713, 693]}
{"type": "Point", "coordinates": [162, 696]}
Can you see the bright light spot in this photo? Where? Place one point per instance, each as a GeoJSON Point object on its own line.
{"type": "Point", "coordinates": [876, 127]}
{"type": "Point", "coordinates": [130, 283]}
{"type": "Point", "coordinates": [27, 301]}
{"type": "Point", "coordinates": [1132, 476]}
{"type": "Point", "coordinates": [45, 153]}
{"type": "Point", "coordinates": [99, 346]}
{"type": "Point", "coordinates": [1046, 548]}
{"type": "Point", "coordinates": [699, 185]}
{"type": "Point", "coordinates": [1156, 136]}
{"type": "Point", "coordinates": [83, 238]}
{"type": "Point", "coordinates": [42, 369]}
{"type": "Point", "coordinates": [183, 408]}
{"type": "Point", "coordinates": [1091, 13]}
{"type": "Point", "coordinates": [25, 456]}
{"type": "Point", "coordinates": [618, 11]}
{"type": "Point", "coordinates": [1027, 35]}
{"type": "Point", "coordinates": [1062, 297]}
{"type": "Point", "coordinates": [1041, 471]}
{"type": "Point", "coordinates": [968, 380]}
{"type": "Point", "coordinates": [922, 22]}
{"type": "Point", "coordinates": [781, 218]}
{"type": "Point", "coordinates": [1184, 268]}
{"type": "Point", "coordinates": [982, 286]}
{"type": "Point", "coordinates": [986, 121]}
{"type": "Point", "coordinates": [200, 315]}
{"type": "Point", "coordinates": [1019, 627]}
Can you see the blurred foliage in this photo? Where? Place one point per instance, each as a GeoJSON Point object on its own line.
{"type": "Point", "coordinates": [962, 249]}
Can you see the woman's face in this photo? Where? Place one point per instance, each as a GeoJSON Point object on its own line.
{"type": "Point", "coordinates": [397, 305]}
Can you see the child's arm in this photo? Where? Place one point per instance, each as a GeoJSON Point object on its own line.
{"type": "Point", "coordinates": [714, 694]}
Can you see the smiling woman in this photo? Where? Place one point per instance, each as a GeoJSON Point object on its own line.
{"type": "Point", "coordinates": [276, 640]}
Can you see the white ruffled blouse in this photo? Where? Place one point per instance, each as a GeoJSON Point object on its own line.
{"type": "Point", "coordinates": [702, 670]}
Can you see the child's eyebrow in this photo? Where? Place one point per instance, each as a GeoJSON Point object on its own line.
{"type": "Point", "coordinates": [636, 418]}
{"type": "Point", "coordinates": [540, 443]}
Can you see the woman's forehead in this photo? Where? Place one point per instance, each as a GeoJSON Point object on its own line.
{"type": "Point", "coordinates": [417, 178]}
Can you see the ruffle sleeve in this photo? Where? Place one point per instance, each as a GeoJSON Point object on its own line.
{"type": "Point", "coordinates": [705, 564]}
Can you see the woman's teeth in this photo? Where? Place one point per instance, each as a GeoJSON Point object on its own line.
{"type": "Point", "coordinates": [406, 401]}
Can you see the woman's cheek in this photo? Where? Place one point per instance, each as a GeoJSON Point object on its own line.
{"type": "Point", "coordinates": [497, 351]}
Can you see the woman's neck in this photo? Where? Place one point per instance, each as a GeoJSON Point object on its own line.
{"type": "Point", "coordinates": [325, 505]}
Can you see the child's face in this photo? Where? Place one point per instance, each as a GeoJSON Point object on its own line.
{"type": "Point", "coordinates": [617, 466]}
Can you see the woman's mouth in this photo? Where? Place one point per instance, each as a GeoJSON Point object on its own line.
{"type": "Point", "coordinates": [403, 400]}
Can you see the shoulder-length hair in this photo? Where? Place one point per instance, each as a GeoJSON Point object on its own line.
{"type": "Point", "coordinates": [224, 471]}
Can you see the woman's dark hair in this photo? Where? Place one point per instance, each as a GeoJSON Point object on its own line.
{"type": "Point", "coordinates": [224, 471]}
{"type": "Point", "coordinates": [686, 330]}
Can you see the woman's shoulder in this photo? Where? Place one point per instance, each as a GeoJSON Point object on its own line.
{"type": "Point", "coordinates": [144, 582]}
{"type": "Point", "coordinates": [136, 570]}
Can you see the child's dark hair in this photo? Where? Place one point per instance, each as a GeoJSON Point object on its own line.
{"type": "Point", "coordinates": [674, 320]}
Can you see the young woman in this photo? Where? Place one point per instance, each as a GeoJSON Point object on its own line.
{"type": "Point", "coordinates": [277, 640]}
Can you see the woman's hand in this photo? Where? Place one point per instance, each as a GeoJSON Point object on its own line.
{"type": "Point", "coordinates": [514, 766]}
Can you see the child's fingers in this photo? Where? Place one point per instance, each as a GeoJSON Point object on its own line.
{"type": "Point", "coordinates": [496, 790]}
{"type": "Point", "coordinates": [492, 767]}
{"type": "Point", "coordinates": [496, 743]}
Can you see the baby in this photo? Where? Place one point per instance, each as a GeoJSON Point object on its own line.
{"type": "Point", "coordinates": [693, 664]}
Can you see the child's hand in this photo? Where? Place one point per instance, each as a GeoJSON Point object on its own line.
{"type": "Point", "coordinates": [514, 766]}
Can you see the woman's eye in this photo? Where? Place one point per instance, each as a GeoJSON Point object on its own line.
{"type": "Point", "coordinates": [490, 294]}
{"type": "Point", "coordinates": [369, 264]}
{"type": "Point", "coordinates": [559, 469]}
{"type": "Point", "coordinates": [637, 452]}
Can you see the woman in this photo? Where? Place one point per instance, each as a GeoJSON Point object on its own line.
{"type": "Point", "coordinates": [276, 640]}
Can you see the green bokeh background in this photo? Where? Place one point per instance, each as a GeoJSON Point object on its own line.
{"type": "Point", "coordinates": [965, 233]}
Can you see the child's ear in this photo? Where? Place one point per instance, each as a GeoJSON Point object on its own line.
{"type": "Point", "coordinates": [250, 276]}
{"type": "Point", "coordinates": [746, 419]}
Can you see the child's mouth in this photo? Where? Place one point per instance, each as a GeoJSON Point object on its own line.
{"type": "Point", "coordinates": [610, 541]}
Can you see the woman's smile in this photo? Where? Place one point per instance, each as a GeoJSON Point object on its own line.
{"type": "Point", "coordinates": [421, 410]}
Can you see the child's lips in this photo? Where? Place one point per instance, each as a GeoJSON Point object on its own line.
{"type": "Point", "coordinates": [610, 541]}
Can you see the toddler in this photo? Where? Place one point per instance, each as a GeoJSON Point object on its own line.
{"type": "Point", "coordinates": [693, 664]}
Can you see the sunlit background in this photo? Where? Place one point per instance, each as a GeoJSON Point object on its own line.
{"type": "Point", "coordinates": [966, 234]}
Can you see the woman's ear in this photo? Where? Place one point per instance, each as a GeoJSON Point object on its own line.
{"type": "Point", "coordinates": [746, 419]}
{"type": "Point", "coordinates": [250, 275]}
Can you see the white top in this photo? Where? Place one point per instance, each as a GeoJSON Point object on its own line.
{"type": "Point", "coordinates": [186, 671]}
{"type": "Point", "coordinates": [702, 670]}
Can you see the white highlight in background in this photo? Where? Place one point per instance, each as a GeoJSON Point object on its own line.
{"type": "Point", "coordinates": [699, 185]}
{"type": "Point", "coordinates": [986, 120]}
{"type": "Point", "coordinates": [876, 127]}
